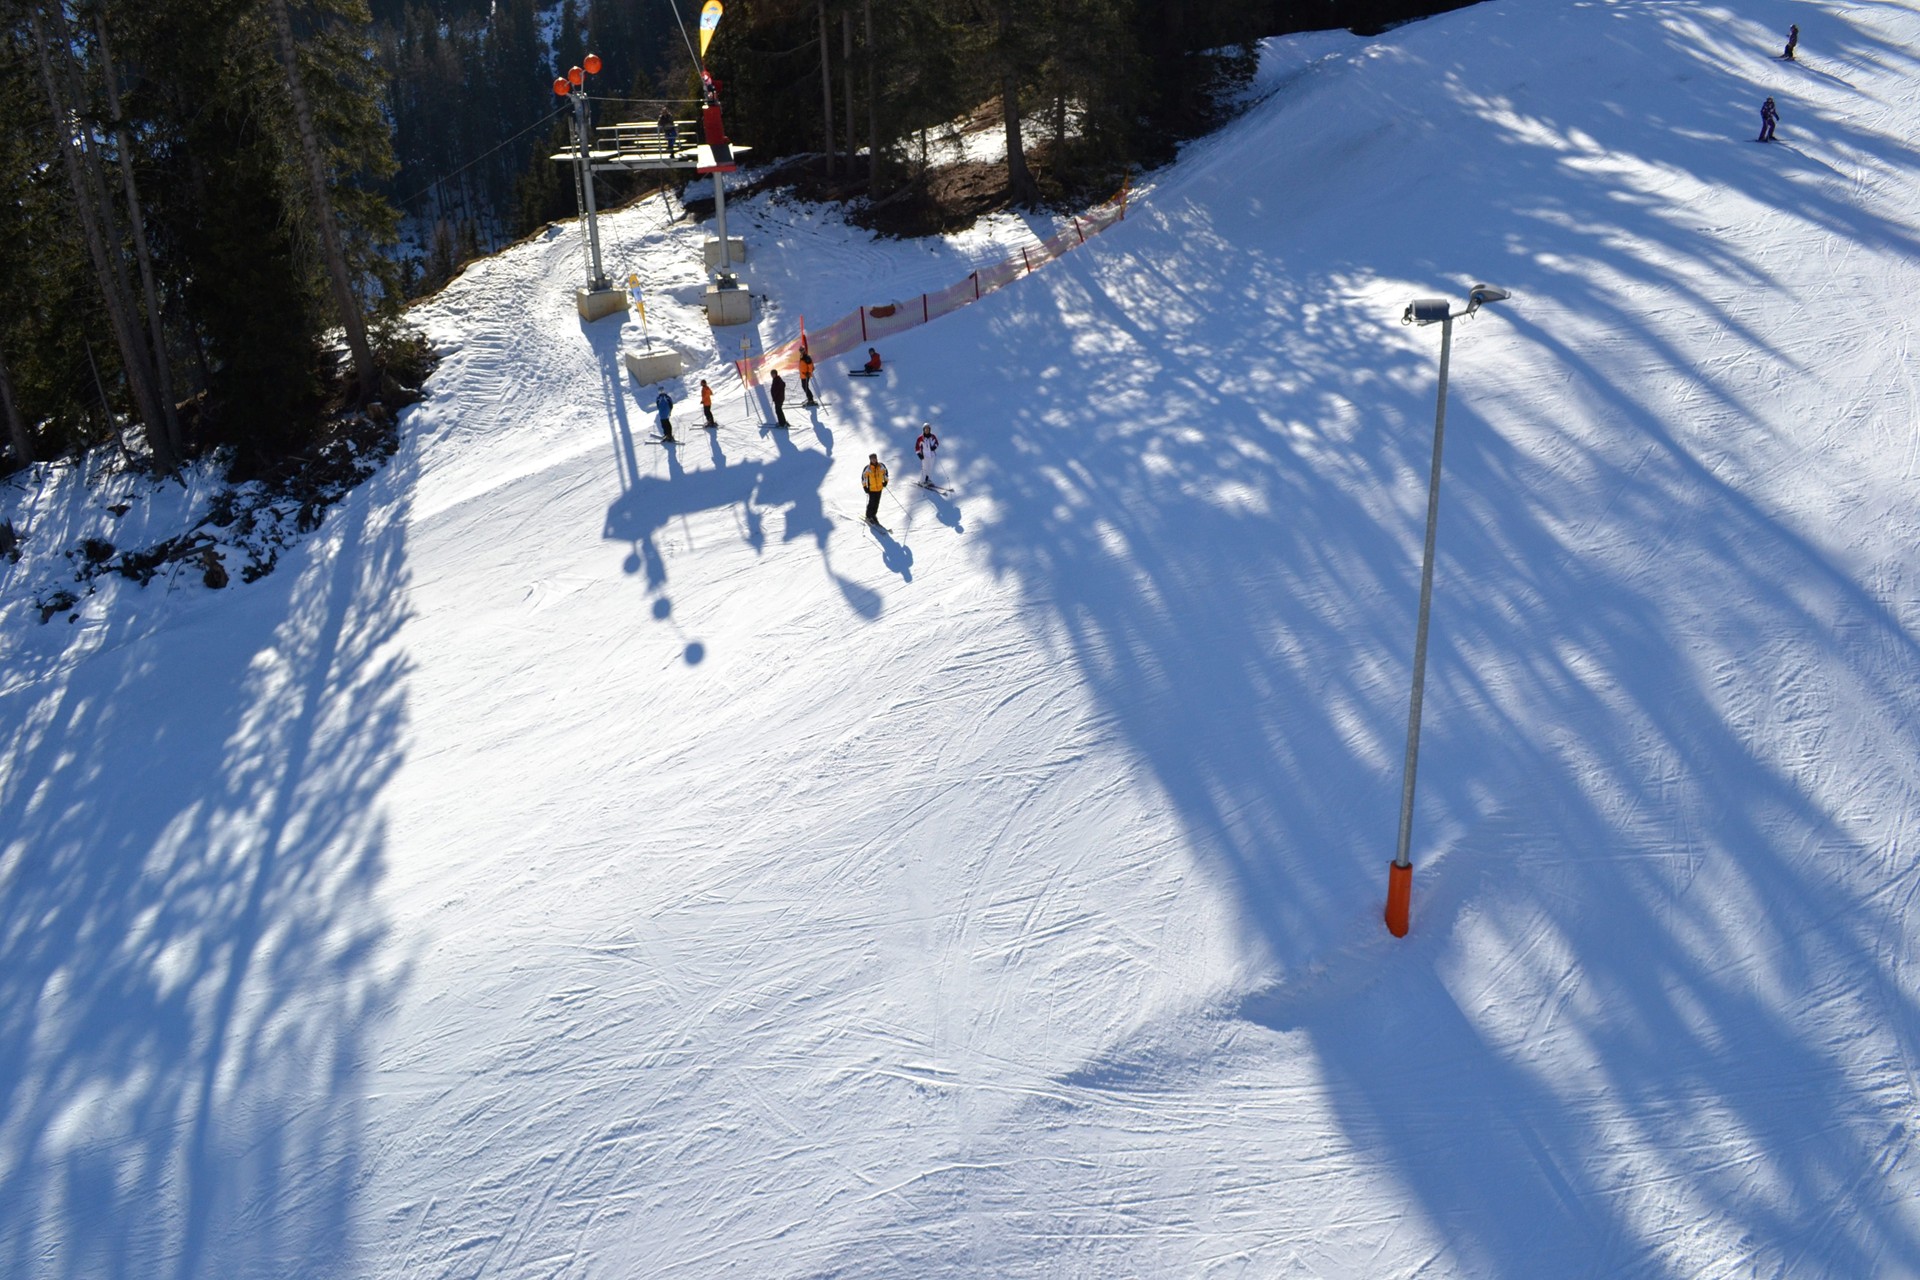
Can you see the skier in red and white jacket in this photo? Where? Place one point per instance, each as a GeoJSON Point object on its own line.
{"type": "Point", "coordinates": [924, 447]}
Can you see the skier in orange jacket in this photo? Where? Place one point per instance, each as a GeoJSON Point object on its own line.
{"type": "Point", "coordinates": [806, 376]}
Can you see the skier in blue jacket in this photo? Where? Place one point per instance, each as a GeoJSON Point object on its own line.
{"type": "Point", "coordinates": [663, 405]}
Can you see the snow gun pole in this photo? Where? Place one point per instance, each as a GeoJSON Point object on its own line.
{"type": "Point", "coordinates": [1400, 875]}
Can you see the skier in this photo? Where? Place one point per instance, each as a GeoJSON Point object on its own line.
{"type": "Point", "coordinates": [779, 397]}
{"type": "Point", "coordinates": [873, 479]}
{"type": "Point", "coordinates": [706, 402]}
{"type": "Point", "coordinates": [873, 360]}
{"type": "Point", "coordinates": [663, 405]}
{"type": "Point", "coordinates": [670, 129]}
{"type": "Point", "coordinates": [1793, 41]}
{"type": "Point", "coordinates": [1769, 117]}
{"type": "Point", "coordinates": [924, 447]}
{"type": "Point", "coordinates": [806, 376]}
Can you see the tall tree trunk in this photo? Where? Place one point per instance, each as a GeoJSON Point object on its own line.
{"type": "Point", "coordinates": [102, 239]}
{"type": "Point", "coordinates": [826, 89]}
{"type": "Point", "coordinates": [873, 106]}
{"type": "Point", "coordinates": [156, 332]}
{"type": "Point", "coordinates": [16, 426]}
{"type": "Point", "coordinates": [1021, 189]}
{"type": "Point", "coordinates": [316, 166]}
{"type": "Point", "coordinates": [846, 80]}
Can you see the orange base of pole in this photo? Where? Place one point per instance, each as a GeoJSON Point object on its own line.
{"type": "Point", "coordinates": [1399, 898]}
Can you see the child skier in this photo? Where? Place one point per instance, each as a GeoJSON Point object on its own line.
{"type": "Point", "coordinates": [663, 405]}
{"type": "Point", "coordinates": [873, 360]}
{"type": "Point", "coordinates": [806, 376]}
{"type": "Point", "coordinates": [924, 447]}
{"type": "Point", "coordinates": [873, 480]}
{"type": "Point", "coordinates": [1769, 117]}
{"type": "Point", "coordinates": [706, 402]}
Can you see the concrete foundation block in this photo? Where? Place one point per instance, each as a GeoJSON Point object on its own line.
{"type": "Point", "coordinates": [736, 250]}
{"type": "Point", "coordinates": [653, 366]}
{"type": "Point", "coordinates": [729, 304]}
{"type": "Point", "coordinates": [594, 304]}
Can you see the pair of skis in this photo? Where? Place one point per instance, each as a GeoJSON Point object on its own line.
{"type": "Point", "coordinates": [702, 426]}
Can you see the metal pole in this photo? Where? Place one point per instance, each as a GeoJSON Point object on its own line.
{"type": "Point", "coordinates": [720, 224]}
{"type": "Point", "coordinates": [599, 280]}
{"type": "Point", "coordinates": [1426, 606]}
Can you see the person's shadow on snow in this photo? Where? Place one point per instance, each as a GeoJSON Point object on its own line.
{"type": "Point", "coordinates": [946, 511]}
{"type": "Point", "coordinates": [820, 431]}
{"type": "Point", "coordinates": [896, 555]}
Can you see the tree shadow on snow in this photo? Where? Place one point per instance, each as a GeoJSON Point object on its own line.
{"type": "Point", "coordinates": [191, 955]}
{"type": "Point", "coordinates": [1218, 495]}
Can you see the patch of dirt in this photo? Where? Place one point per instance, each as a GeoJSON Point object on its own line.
{"type": "Point", "coordinates": [951, 198]}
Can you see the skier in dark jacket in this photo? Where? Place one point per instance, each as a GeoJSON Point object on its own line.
{"type": "Point", "coordinates": [663, 405]}
{"type": "Point", "coordinates": [1793, 41]}
{"type": "Point", "coordinates": [779, 388]}
{"type": "Point", "coordinates": [1769, 117]}
{"type": "Point", "coordinates": [670, 130]}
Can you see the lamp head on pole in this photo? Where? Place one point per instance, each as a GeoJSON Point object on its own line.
{"type": "Point", "coordinates": [1427, 311]}
{"type": "Point", "coordinates": [1481, 294]}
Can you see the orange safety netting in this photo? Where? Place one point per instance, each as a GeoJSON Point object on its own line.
{"type": "Point", "coordinates": [872, 323]}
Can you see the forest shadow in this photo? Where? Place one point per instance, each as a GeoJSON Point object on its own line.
{"type": "Point", "coordinates": [192, 960]}
{"type": "Point", "coordinates": [1217, 500]}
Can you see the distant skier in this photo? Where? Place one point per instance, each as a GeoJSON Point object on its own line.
{"type": "Point", "coordinates": [806, 376]}
{"type": "Point", "coordinates": [924, 447]}
{"type": "Point", "coordinates": [1793, 41]}
{"type": "Point", "coordinates": [706, 402]}
{"type": "Point", "coordinates": [873, 480]}
{"type": "Point", "coordinates": [873, 360]}
{"type": "Point", "coordinates": [779, 389]}
{"type": "Point", "coordinates": [663, 405]}
{"type": "Point", "coordinates": [1769, 117]}
{"type": "Point", "coordinates": [670, 129]}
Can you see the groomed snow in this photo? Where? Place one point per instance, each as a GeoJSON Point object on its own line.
{"type": "Point", "coordinates": [588, 859]}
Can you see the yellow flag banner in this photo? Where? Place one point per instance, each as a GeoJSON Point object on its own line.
{"type": "Point", "coordinates": [709, 19]}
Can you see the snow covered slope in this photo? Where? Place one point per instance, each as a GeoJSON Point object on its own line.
{"type": "Point", "coordinates": [589, 859]}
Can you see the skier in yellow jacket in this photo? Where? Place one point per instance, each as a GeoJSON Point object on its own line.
{"type": "Point", "coordinates": [873, 479]}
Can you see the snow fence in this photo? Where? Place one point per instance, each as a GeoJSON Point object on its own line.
{"type": "Point", "coordinates": [872, 323]}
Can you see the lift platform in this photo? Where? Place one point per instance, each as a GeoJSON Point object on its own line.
{"type": "Point", "coordinates": [642, 148]}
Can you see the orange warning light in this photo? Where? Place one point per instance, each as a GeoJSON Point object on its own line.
{"type": "Point", "coordinates": [593, 64]}
{"type": "Point", "coordinates": [575, 75]}
{"type": "Point", "coordinates": [560, 86]}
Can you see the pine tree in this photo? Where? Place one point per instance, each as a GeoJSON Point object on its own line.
{"type": "Point", "coordinates": [54, 44]}
{"type": "Point", "coordinates": [321, 215]}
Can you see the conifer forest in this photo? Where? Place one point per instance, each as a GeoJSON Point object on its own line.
{"type": "Point", "coordinates": [213, 212]}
